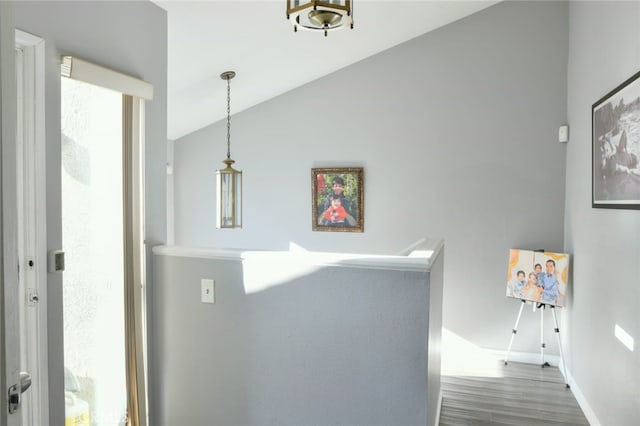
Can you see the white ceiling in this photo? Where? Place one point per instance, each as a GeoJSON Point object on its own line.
{"type": "Point", "coordinates": [254, 39]}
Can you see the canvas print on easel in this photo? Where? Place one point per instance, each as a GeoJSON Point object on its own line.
{"type": "Point", "coordinates": [540, 277]}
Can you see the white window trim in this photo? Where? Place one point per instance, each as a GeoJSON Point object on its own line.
{"type": "Point", "coordinates": [81, 70]}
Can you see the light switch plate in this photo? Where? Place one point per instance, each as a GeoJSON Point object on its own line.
{"type": "Point", "coordinates": [207, 294]}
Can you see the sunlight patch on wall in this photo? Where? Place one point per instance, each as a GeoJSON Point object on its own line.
{"type": "Point", "coordinates": [264, 270]}
{"type": "Point", "coordinates": [624, 337]}
{"type": "Point", "coordinates": [421, 253]}
{"type": "Point", "coordinates": [461, 358]}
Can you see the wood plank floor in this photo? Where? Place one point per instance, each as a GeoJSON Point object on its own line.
{"type": "Point", "coordinates": [516, 394]}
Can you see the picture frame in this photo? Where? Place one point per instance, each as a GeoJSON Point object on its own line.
{"type": "Point", "coordinates": [337, 199]}
{"type": "Point", "coordinates": [615, 171]}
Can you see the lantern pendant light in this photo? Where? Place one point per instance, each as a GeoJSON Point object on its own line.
{"type": "Point", "coordinates": [229, 180]}
{"type": "Point", "coordinates": [320, 15]}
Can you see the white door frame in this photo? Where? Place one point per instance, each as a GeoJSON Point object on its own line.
{"type": "Point", "coordinates": [9, 320]}
{"type": "Point", "coordinates": [32, 237]}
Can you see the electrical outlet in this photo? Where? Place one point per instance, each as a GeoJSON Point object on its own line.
{"type": "Point", "coordinates": [207, 291]}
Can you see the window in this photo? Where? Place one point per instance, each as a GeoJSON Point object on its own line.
{"type": "Point", "coordinates": [102, 219]}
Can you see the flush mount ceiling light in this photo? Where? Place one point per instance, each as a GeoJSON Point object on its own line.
{"type": "Point", "coordinates": [317, 15]}
{"type": "Point", "coordinates": [229, 180]}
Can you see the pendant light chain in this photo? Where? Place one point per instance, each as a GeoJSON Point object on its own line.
{"type": "Point", "coordinates": [228, 118]}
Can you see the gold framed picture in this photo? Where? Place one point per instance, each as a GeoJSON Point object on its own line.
{"type": "Point", "coordinates": [337, 199]}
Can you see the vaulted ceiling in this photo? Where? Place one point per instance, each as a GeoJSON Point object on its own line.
{"type": "Point", "coordinates": [254, 39]}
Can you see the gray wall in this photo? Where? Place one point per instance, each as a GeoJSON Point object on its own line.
{"type": "Point", "coordinates": [457, 133]}
{"type": "Point", "coordinates": [333, 345]}
{"type": "Point", "coordinates": [605, 51]}
{"type": "Point", "coordinates": [127, 36]}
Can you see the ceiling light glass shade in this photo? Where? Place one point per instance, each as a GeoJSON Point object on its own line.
{"type": "Point", "coordinates": [317, 15]}
{"type": "Point", "coordinates": [229, 200]}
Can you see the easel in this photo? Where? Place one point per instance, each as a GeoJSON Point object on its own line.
{"type": "Point", "coordinates": [543, 363]}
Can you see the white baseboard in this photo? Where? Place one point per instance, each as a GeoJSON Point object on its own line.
{"type": "Point", "coordinates": [527, 357]}
{"type": "Point", "coordinates": [582, 402]}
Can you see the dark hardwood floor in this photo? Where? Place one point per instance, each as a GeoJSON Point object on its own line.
{"type": "Point", "coordinates": [486, 392]}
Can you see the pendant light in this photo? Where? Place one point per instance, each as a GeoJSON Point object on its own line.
{"type": "Point", "coordinates": [320, 15]}
{"type": "Point", "coordinates": [229, 180]}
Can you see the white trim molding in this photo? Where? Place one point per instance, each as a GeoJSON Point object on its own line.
{"type": "Point", "coordinates": [582, 402]}
{"type": "Point", "coordinates": [439, 408]}
{"type": "Point", "coordinates": [81, 70]}
{"type": "Point", "coordinates": [419, 260]}
{"type": "Point", "coordinates": [33, 228]}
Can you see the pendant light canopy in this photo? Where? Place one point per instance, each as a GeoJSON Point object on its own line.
{"type": "Point", "coordinates": [229, 180]}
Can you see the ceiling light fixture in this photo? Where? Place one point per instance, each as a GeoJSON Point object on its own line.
{"type": "Point", "coordinates": [229, 180]}
{"type": "Point", "coordinates": [317, 15]}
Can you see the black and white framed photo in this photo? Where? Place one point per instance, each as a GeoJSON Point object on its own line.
{"type": "Point", "coordinates": [616, 147]}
